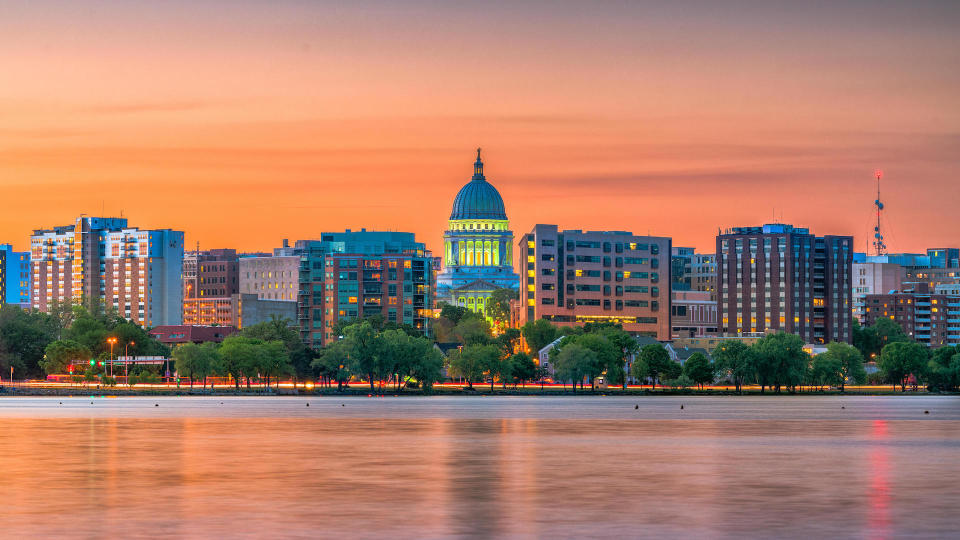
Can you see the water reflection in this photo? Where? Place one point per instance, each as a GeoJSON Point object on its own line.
{"type": "Point", "coordinates": [479, 468]}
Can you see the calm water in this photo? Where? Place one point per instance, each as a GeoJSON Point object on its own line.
{"type": "Point", "coordinates": [760, 467]}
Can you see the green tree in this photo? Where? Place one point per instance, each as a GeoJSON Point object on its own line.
{"type": "Point", "coordinates": [498, 305]}
{"type": "Point", "coordinates": [627, 346]}
{"type": "Point", "coordinates": [24, 336]}
{"type": "Point", "coordinates": [826, 370]}
{"type": "Point", "coordinates": [473, 331]}
{"type": "Point", "coordinates": [574, 362]}
{"type": "Point", "coordinates": [538, 334]}
{"type": "Point", "coordinates": [333, 363]}
{"type": "Point", "coordinates": [653, 362]}
{"type": "Point", "coordinates": [472, 361]}
{"type": "Point", "coordinates": [522, 368]}
{"type": "Point", "coordinates": [851, 363]}
{"type": "Point", "coordinates": [699, 369]}
{"type": "Point", "coordinates": [59, 354]}
{"type": "Point", "coordinates": [364, 345]}
{"type": "Point", "coordinates": [781, 360]}
{"type": "Point", "coordinates": [239, 357]}
{"type": "Point", "coordinates": [899, 360]}
{"type": "Point", "coordinates": [734, 359]}
{"type": "Point", "coordinates": [609, 358]}
{"type": "Point", "coordinates": [871, 340]}
{"type": "Point", "coordinates": [943, 369]}
{"type": "Point", "coordinates": [428, 365]}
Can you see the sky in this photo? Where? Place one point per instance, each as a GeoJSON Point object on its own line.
{"type": "Point", "coordinates": [244, 122]}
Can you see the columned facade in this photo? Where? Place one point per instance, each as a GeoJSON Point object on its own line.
{"type": "Point", "coordinates": [478, 243]}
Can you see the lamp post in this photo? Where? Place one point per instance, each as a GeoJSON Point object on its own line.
{"type": "Point", "coordinates": [126, 362]}
{"type": "Point", "coordinates": [112, 341]}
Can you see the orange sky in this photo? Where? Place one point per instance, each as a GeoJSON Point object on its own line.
{"type": "Point", "coordinates": [246, 122]}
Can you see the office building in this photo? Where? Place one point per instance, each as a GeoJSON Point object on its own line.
{"type": "Point", "coordinates": [693, 314]}
{"type": "Point", "coordinates": [874, 278]}
{"type": "Point", "coordinates": [357, 274]}
{"type": "Point", "coordinates": [210, 285]}
{"type": "Point", "coordinates": [14, 276]}
{"type": "Point", "coordinates": [693, 271]}
{"type": "Point", "coordinates": [574, 277]}
{"type": "Point", "coordinates": [273, 277]}
{"type": "Point", "coordinates": [782, 278]}
{"type": "Point", "coordinates": [105, 264]}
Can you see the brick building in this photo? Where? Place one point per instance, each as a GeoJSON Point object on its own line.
{"type": "Point", "coordinates": [782, 278]}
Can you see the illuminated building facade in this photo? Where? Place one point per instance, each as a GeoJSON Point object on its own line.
{"type": "Point", "coordinates": [574, 277]}
{"type": "Point", "coordinates": [477, 246]}
{"type": "Point", "coordinates": [693, 271]}
{"type": "Point", "coordinates": [14, 276]}
{"type": "Point", "coordinates": [210, 285]}
{"type": "Point", "coordinates": [271, 277]}
{"type": "Point", "coordinates": [782, 278]}
{"type": "Point", "coordinates": [357, 274]}
{"type": "Point", "coordinates": [874, 278]}
{"type": "Point", "coordinates": [104, 263]}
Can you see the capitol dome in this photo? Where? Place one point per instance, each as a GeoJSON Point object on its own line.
{"type": "Point", "coordinates": [478, 199]}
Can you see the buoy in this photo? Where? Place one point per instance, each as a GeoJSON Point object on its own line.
{"type": "Point", "coordinates": [926, 412]}
{"type": "Point", "coordinates": [308, 404]}
{"type": "Point", "coordinates": [842, 407]}
{"type": "Point", "coordinates": [681, 407]}
{"type": "Point", "coordinates": [156, 404]}
{"type": "Point", "coordinates": [636, 407]}
{"type": "Point", "coordinates": [342, 405]}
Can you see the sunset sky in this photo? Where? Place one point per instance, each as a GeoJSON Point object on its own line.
{"type": "Point", "coordinates": [243, 122]}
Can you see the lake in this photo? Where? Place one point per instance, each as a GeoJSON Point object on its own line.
{"type": "Point", "coordinates": [480, 467]}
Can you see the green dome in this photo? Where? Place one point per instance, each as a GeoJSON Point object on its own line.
{"type": "Point", "coordinates": [478, 199]}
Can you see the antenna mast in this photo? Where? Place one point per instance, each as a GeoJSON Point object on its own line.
{"type": "Point", "coordinates": [878, 244]}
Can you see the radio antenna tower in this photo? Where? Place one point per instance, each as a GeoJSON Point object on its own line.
{"type": "Point", "coordinates": [879, 247]}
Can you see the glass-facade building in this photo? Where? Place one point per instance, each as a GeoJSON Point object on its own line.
{"type": "Point", "coordinates": [14, 276]}
{"type": "Point", "coordinates": [357, 274]}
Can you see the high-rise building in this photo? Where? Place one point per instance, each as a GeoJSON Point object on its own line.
{"type": "Point", "coordinates": [478, 245]}
{"type": "Point", "coordinates": [782, 278]}
{"type": "Point", "coordinates": [575, 277]}
{"type": "Point", "coordinates": [693, 271]}
{"type": "Point", "coordinates": [273, 277]}
{"type": "Point", "coordinates": [929, 317]}
{"type": "Point", "coordinates": [357, 274]}
{"type": "Point", "coordinates": [874, 278]}
{"type": "Point", "coordinates": [104, 263]}
{"type": "Point", "coordinates": [210, 286]}
{"type": "Point", "coordinates": [14, 276]}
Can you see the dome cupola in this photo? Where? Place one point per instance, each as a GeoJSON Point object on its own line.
{"type": "Point", "coordinates": [478, 199]}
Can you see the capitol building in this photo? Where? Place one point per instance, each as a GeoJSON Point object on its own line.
{"type": "Point", "coordinates": [478, 246]}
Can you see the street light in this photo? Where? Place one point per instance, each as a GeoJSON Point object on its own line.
{"type": "Point", "coordinates": [112, 341]}
{"type": "Point", "coordinates": [126, 362]}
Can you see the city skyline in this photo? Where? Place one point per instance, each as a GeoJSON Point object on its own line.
{"type": "Point", "coordinates": [245, 125]}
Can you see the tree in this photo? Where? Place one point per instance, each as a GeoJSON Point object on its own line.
{"type": "Point", "coordinates": [943, 369]}
{"type": "Point", "coordinates": [626, 345]}
{"type": "Point", "coordinates": [653, 361]}
{"type": "Point", "coordinates": [24, 336]}
{"type": "Point", "coordinates": [522, 368]}
{"type": "Point", "coordinates": [899, 360]}
{"type": "Point", "coordinates": [826, 370]}
{"type": "Point", "coordinates": [472, 331]}
{"type": "Point", "coordinates": [239, 357]}
{"type": "Point", "coordinates": [609, 358]}
{"type": "Point", "coordinates": [736, 360]}
{"type": "Point", "coordinates": [509, 340]}
{"type": "Point", "coordinates": [539, 334]}
{"type": "Point", "coordinates": [781, 360]}
{"type": "Point", "coordinates": [498, 305]}
{"type": "Point", "coordinates": [428, 365]}
{"type": "Point", "coordinates": [333, 362]}
{"type": "Point", "coordinates": [59, 354]}
{"type": "Point", "coordinates": [364, 345]}
{"type": "Point", "coordinates": [574, 362]}
{"type": "Point", "coordinates": [699, 369]}
{"type": "Point", "coordinates": [851, 363]}
{"type": "Point", "coordinates": [472, 361]}
{"type": "Point", "coordinates": [186, 360]}
{"type": "Point", "coordinates": [871, 340]}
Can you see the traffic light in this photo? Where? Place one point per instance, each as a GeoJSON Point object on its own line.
{"type": "Point", "coordinates": [93, 362]}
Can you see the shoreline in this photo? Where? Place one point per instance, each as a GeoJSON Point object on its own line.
{"type": "Point", "coordinates": [13, 392]}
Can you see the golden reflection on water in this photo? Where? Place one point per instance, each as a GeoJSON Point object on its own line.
{"type": "Point", "coordinates": [423, 477]}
